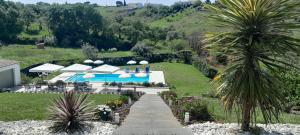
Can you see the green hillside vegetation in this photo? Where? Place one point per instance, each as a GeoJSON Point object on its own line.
{"type": "Point", "coordinates": [188, 21]}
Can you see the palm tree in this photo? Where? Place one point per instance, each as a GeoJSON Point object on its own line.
{"type": "Point", "coordinates": [258, 39]}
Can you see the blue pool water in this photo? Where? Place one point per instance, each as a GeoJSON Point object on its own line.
{"type": "Point", "coordinates": [108, 78]}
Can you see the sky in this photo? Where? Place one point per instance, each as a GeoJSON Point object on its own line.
{"type": "Point", "coordinates": [101, 2]}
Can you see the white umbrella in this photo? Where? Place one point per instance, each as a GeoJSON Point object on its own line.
{"type": "Point", "coordinates": [144, 62]}
{"type": "Point", "coordinates": [140, 75]}
{"type": "Point", "coordinates": [98, 62]}
{"type": "Point", "coordinates": [88, 61]}
{"type": "Point", "coordinates": [131, 62]}
{"type": "Point", "coordinates": [88, 75]}
{"type": "Point", "coordinates": [125, 75]}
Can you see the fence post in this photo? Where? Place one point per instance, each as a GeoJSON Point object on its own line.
{"type": "Point", "coordinates": [186, 117]}
{"type": "Point", "coordinates": [117, 118]}
{"type": "Point", "coordinates": [129, 101]}
{"type": "Point", "coordinates": [170, 102]}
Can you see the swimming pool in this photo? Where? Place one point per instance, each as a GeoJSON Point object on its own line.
{"type": "Point", "coordinates": [108, 78]}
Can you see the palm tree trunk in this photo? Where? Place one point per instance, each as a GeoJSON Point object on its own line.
{"type": "Point", "coordinates": [246, 117]}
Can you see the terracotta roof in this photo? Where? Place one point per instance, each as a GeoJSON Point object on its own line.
{"type": "Point", "coordinates": [5, 63]}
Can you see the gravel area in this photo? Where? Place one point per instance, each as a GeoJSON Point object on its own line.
{"type": "Point", "coordinates": [210, 128]}
{"type": "Point", "coordinates": [41, 128]}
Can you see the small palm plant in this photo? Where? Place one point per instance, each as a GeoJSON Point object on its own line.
{"type": "Point", "coordinates": [70, 113]}
{"type": "Point", "coordinates": [259, 39]}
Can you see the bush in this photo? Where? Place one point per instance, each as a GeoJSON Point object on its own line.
{"type": "Point", "coordinates": [197, 108]}
{"type": "Point", "coordinates": [69, 113]}
{"type": "Point", "coordinates": [90, 52]}
{"type": "Point", "coordinates": [50, 41]}
{"type": "Point", "coordinates": [169, 95]}
{"type": "Point", "coordinates": [160, 85]}
{"type": "Point", "coordinates": [124, 99]}
{"type": "Point", "coordinates": [143, 50]}
{"type": "Point", "coordinates": [118, 103]}
{"type": "Point", "coordinates": [113, 84]}
{"type": "Point", "coordinates": [25, 79]}
{"type": "Point", "coordinates": [112, 105]}
{"type": "Point", "coordinates": [146, 84]}
{"type": "Point", "coordinates": [185, 56]}
{"type": "Point", "coordinates": [132, 94]}
{"type": "Point", "coordinates": [206, 69]}
{"type": "Point", "coordinates": [112, 50]}
{"type": "Point", "coordinates": [178, 44]}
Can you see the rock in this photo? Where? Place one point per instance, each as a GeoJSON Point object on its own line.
{"type": "Point", "coordinates": [41, 128]}
{"type": "Point", "coordinates": [209, 128]}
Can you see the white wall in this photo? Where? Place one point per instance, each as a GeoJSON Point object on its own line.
{"type": "Point", "coordinates": [17, 74]}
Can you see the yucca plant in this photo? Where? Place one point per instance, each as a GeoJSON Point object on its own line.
{"type": "Point", "coordinates": [70, 113]}
{"type": "Point", "coordinates": [259, 39]}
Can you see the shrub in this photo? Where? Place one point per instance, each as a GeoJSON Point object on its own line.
{"type": "Point", "coordinates": [25, 79]}
{"type": "Point", "coordinates": [90, 52]}
{"type": "Point", "coordinates": [206, 69]}
{"type": "Point", "coordinates": [142, 49]}
{"type": "Point", "coordinates": [69, 113]}
{"type": "Point", "coordinates": [113, 84]}
{"type": "Point", "coordinates": [50, 41]}
{"type": "Point", "coordinates": [178, 44]}
{"type": "Point", "coordinates": [118, 103]}
{"type": "Point", "coordinates": [169, 94]}
{"type": "Point", "coordinates": [112, 50]}
{"type": "Point", "coordinates": [197, 108]}
{"type": "Point", "coordinates": [146, 84]}
{"type": "Point", "coordinates": [185, 56]}
{"type": "Point", "coordinates": [124, 99]}
{"type": "Point", "coordinates": [112, 105]}
{"type": "Point", "coordinates": [132, 94]}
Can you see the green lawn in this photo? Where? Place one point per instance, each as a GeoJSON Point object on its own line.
{"type": "Point", "coordinates": [29, 54]}
{"type": "Point", "coordinates": [34, 106]}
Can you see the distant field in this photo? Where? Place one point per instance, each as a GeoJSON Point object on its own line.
{"type": "Point", "coordinates": [34, 106]}
{"type": "Point", "coordinates": [29, 54]}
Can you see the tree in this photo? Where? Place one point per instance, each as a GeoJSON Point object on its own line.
{"type": "Point", "coordinates": [72, 23]}
{"type": "Point", "coordinates": [28, 17]}
{"type": "Point", "coordinates": [10, 23]}
{"type": "Point", "coordinates": [119, 3]}
{"type": "Point", "coordinates": [258, 39]}
{"type": "Point", "coordinates": [207, 1]}
{"type": "Point", "coordinates": [125, 4]}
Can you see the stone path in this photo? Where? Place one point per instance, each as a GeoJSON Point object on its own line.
{"type": "Point", "coordinates": [151, 116]}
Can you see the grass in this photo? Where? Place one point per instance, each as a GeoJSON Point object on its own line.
{"type": "Point", "coordinates": [24, 106]}
{"type": "Point", "coordinates": [34, 32]}
{"type": "Point", "coordinates": [29, 54]}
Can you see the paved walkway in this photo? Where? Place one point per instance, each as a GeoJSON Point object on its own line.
{"type": "Point", "coordinates": [151, 116]}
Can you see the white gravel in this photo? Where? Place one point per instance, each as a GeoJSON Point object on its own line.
{"type": "Point", "coordinates": [41, 128]}
{"type": "Point", "coordinates": [210, 128]}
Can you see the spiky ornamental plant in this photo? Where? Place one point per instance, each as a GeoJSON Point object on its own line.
{"type": "Point", "coordinates": [259, 39]}
{"type": "Point", "coordinates": [70, 113]}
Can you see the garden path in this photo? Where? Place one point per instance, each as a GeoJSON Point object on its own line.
{"type": "Point", "coordinates": [151, 116]}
